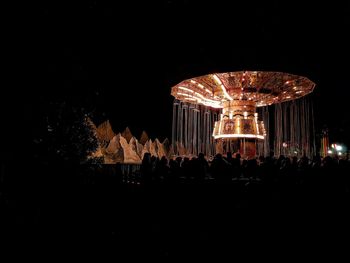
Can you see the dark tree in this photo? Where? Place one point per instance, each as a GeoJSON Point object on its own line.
{"type": "Point", "coordinates": [69, 135]}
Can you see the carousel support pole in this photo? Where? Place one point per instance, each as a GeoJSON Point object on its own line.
{"type": "Point", "coordinates": [244, 146]}
{"type": "Point", "coordinates": [174, 128]}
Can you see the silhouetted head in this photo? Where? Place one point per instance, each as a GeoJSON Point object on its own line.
{"type": "Point", "coordinates": [261, 159]}
{"type": "Point", "coordinates": [201, 156]}
{"type": "Point", "coordinates": [327, 161]}
{"type": "Point", "coordinates": [173, 163]}
{"type": "Point", "coordinates": [218, 156]}
{"type": "Point", "coordinates": [252, 163]}
{"type": "Point", "coordinates": [164, 160]}
{"type": "Point", "coordinates": [178, 159]}
{"type": "Point", "coordinates": [146, 157]}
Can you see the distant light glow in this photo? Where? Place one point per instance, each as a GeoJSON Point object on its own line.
{"type": "Point", "coordinates": [338, 147]}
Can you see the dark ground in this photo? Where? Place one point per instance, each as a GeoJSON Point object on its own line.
{"type": "Point", "coordinates": [80, 211]}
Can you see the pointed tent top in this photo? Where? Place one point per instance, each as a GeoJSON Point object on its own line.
{"type": "Point", "coordinates": [144, 138]}
{"type": "Point", "coordinates": [166, 147]}
{"type": "Point", "coordinates": [113, 145]}
{"type": "Point", "coordinates": [127, 134]}
{"type": "Point", "coordinates": [166, 141]}
{"type": "Point", "coordinates": [133, 140]}
{"type": "Point", "coordinates": [91, 123]}
{"type": "Point", "coordinates": [105, 132]}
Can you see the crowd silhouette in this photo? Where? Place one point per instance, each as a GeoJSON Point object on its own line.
{"type": "Point", "coordinates": [227, 169]}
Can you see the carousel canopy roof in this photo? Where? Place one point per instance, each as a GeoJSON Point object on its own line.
{"type": "Point", "coordinates": [262, 87]}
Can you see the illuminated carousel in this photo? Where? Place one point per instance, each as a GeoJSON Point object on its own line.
{"type": "Point", "coordinates": [245, 112]}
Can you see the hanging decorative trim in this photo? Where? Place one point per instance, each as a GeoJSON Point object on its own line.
{"type": "Point", "coordinates": [294, 128]}
{"type": "Point", "coordinates": [192, 129]}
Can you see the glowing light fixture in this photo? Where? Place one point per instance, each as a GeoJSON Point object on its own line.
{"type": "Point", "coordinates": [183, 88]}
{"type": "Point", "coordinates": [216, 78]}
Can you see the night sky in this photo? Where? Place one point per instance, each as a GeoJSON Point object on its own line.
{"type": "Point", "coordinates": [120, 60]}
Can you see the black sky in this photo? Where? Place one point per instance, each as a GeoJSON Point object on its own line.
{"type": "Point", "coordinates": [121, 60]}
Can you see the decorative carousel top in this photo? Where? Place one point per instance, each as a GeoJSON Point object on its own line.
{"type": "Point", "coordinates": [262, 87]}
